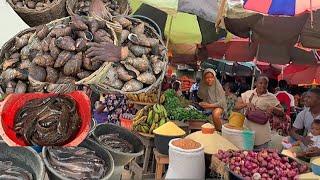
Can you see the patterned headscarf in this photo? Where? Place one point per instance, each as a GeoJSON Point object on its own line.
{"type": "Point", "coordinates": [212, 94]}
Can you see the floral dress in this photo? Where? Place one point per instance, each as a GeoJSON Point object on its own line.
{"type": "Point", "coordinates": [115, 105]}
{"type": "Point", "coordinates": [231, 102]}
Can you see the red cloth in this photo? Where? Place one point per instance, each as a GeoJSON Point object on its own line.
{"type": "Point", "coordinates": [285, 101]}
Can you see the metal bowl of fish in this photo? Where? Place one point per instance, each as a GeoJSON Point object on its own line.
{"type": "Point", "coordinates": [120, 142]}
{"type": "Point", "coordinates": [87, 161]}
{"type": "Point", "coordinates": [20, 163]}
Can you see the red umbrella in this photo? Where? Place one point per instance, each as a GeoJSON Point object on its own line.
{"type": "Point", "coordinates": [302, 74]}
{"type": "Point", "coordinates": [239, 49]}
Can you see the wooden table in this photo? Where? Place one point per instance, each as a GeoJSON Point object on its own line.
{"type": "Point", "coordinates": [161, 160]}
{"type": "Point", "coordinates": [142, 172]}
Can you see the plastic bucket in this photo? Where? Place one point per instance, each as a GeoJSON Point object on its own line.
{"type": "Point", "coordinates": [14, 102]}
{"type": "Point", "coordinates": [126, 123]}
{"type": "Point", "coordinates": [248, 140]}
{"type": "Point", "coordinates": [24, 157]}
{"type": "Point", "coordinates": [120, 158]}
{"type": "Point", "coordinates": [101, 152]}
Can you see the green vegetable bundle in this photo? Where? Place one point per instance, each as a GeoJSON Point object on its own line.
{"type": "Point", "coordinates": [176, 111]}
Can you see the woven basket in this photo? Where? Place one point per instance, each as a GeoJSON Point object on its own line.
{"type": "Point", "coordinates": [6, 48]}
{"type": "Point", "coordinates": [103, 88]}
{"type": "Point", "coordinates": [94, 78]}
{"type": "Point", "coordinates": [37, 17]}
{"type": "Point", "coordinates": [124, 5]}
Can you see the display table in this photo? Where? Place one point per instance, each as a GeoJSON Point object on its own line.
{"type": "Point", "coordinates": [142, 172]}
{"type": "Point", "coordinates": [308, 176]}
{"type": "Point", "coordinates": [161, 160]}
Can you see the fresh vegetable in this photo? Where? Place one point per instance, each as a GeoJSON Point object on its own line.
{"type": "Point", "coordinates": [177, 112]}
{"type": "Point", "coordinates": [266, 164]}
{"type": "Point", "coordinates": [149, 118]}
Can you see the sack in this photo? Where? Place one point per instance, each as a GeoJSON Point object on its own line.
{"type": "Point", "coordinates": [257, 116]}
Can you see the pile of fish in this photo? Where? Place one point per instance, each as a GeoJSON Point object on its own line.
{"type": "Point", "coordinates": [112, 6]}
{"type": "Point", "coordinates": [32, 4]}
{"type": "Point", "coordinates": [9, 171]}
{"type": "Point", "coordinates": [55, 55]}
{"type": "Point", "coordinates": [77, 162]}
{"type": "Point", "coordinates": [145, 60]}
{"type": "Point", "coordinates": [51, 121]}
{"type": "Point", "coordinates": [113, 141]}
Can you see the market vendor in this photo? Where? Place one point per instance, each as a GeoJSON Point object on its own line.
{"type": "Point", "coordinates": [260, 98]}
{"type": "Point", "coordinates": [213, 97]}
{"type": "Point", "coordinates": [305, 119]}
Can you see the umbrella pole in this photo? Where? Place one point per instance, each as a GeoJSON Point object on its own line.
{"type": "Point", "coordinates": [170, 26]}
{"type": "Point", "coordinates": [255, 64]}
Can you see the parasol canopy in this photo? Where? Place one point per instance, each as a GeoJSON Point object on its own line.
{"type": "Point", "coordinates": [282, 7]}
{"type": "Point", "coordinates": [302, 74]}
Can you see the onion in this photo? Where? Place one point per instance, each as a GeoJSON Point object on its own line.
{"type": "Point", "coordinates": [256, 176]}
{"type": "Point", "coordinates": [247, 178]}
{"type": "Point", "coordinates": [265, 175]}
{"type": "Point", "coordinates": [270, 166]}
{"type": "Point", "coordinates": [264, 163]}
{"type": "Point", "coordinates": [292, 174]}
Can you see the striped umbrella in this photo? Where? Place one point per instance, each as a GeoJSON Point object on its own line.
{"type": "Point", "coordinates": [178, 27]}
{"type": "Point", "coordinates": [281, 7]}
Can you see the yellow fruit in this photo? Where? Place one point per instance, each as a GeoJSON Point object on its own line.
{"type": "Point", "coordinates": [162, 99]}
{"type": "Point", "coordinates": [153, 126]}
{"type": "Point", "coordinates": [156, 117]}
{"type": "Point", "coordinates": [138, 115]}
{"type": "Point", "coordinates": [139, 121]}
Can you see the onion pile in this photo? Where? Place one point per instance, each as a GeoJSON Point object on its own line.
{"type": "Point", "coordinates": [264, 165]}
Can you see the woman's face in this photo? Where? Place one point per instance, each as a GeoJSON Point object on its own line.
{"type": "Point", "coordinates": [209, 78]}
{"type": "Point", "coordinates": [262, 85]}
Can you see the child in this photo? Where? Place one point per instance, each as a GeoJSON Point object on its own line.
{"type": "Point", "coordinates": [315, 137]}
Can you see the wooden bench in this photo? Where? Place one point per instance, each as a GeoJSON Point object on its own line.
{"type": "Point", "coordinates": [161, 160]}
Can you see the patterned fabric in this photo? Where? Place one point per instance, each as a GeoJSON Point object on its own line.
{"type": "Point", "coordinates": [115, 105]}
{"type": "Point", "coordinates": [231, 102]}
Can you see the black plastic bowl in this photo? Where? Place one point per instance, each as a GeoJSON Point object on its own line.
{"type": "Point", "coordinates": [87, 143]}
{"type": "Point", "coordinates": [120, 158]}
{"type": "Point", "coordinates": [23, 157]}
{"type": "Point", "coordinates": [162, 143]}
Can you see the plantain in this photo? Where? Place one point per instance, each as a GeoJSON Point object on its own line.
{"type": "Point", "coordinates": [164, 111]}
{"type": "Point", "coordinates": [141, 97]}
{"type": "Point", "coordinates": [155, 108]}
{"type": "Point", "coordinates": [162, 98]}
{"type": "Point", "coordinates": [150, 117]}
{"type": "Point", "coordinates": [153, 126]}
{"type": "Point", "coordinates": [156, 117]}
{"type": "Point", "coordinates": [139, 121]}
{"type": "Point", "coordinates": [162, 121]}
{"type": "Point", "coordinates": [135, 97]}
{"type": "Point", "coordinates": [145, 129]}
{"type": "Point", "coordinates": [139, 114]}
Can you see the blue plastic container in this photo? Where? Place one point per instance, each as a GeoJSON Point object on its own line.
{"type": "Point", "coordinates": [315, 168]}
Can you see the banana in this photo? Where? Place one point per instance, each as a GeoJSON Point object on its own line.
{"type": "Point", "coordinates": [135, 97]}
{"type": "Point", "coordinates": [162, 121]}
{"type": "Point", "coordinates": [164, 111]}
{"type": "Point", "coordinates": [156, 117]}
{"type": "Point", "coordinates": [153, 126]}
{"type": "Point", "coordinates": [156, 109]}
{"type": "Point", "coordinates": [139, 121]}
{"type": "Point", "coordinates": [138, 115]}
{"type": "Point", "coordinates": [162, 98]}
{"type": "Point", "coordinates": [145, 129]}
{"type": "Point", "coordinates": [150, 117]}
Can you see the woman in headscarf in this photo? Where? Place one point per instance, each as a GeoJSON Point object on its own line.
{"type": "Point", "coordinates": [213, 96]}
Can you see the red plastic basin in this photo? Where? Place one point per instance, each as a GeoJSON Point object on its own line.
{"type": "Point", "coordinates": [14, 102]}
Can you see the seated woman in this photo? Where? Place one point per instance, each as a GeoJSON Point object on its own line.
{"type": "Point", "coordinates": [213, 97]}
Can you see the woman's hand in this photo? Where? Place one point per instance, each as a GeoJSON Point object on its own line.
{"type": "Point", "coordinates": [106, 52]}
{"type": "Point", "coordinates": [312, 152]}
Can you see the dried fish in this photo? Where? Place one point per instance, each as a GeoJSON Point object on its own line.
{"type": "Point", "coordinates": [72, 67]}
{"type": "Point", "coordinates": [89, 65]}
{"type": "Point", "coordinates": [10, 171]}
{"type": "Point", "coordinates": [157, 64]}
{"type": "Point", "coordinates": [52, 75]}
{"type": "Point", "coordinates": [124, 22]}
{"type": "Point", "coordinates": [141, 64]}
{"type": "Point", "coordinates": [123, 73]}
{"type": "Point", "coordinates": [51, 121]}
{"type": "Point", "coordinates": [42, 31]}
{"type": "Point", "coordinates": [116, 143]}
{"type": "Point", "coordinates": [44, 60]}
{"type": "Point", "coordinates": [132, 85]}
{"type": "Point", "coordinates": [130, 68]}
{"type": "Point", "coordinates": [37, 73]}
{"type": "Point", "coordinates": [147, 78]}
{"type": "Point", "coordinates": [77, 163]}
{"type": "Point", "coordinates": [21, 87]}
{"type": "Point", "coordinates": [139, 50]}
{"type": "Point", "coordinates": [63, 57]}
{"type": "Point", "coordinates": [66, 43]}
{"type": "Point", "coordinates": [22, 41]}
